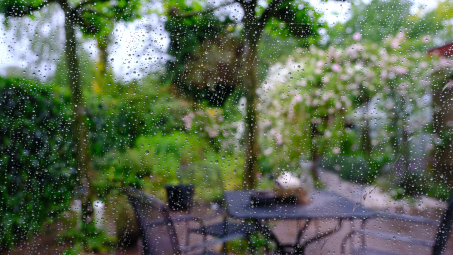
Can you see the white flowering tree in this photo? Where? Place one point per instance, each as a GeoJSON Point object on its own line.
{"type": "Point", "coordinates": [314, 103]}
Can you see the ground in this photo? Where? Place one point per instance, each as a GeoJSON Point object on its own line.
{"type": "Point", "coordinates": [286, 230]}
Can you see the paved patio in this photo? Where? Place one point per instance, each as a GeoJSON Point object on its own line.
{"type": "Point", "coordinates": [375, 199]}
{"type": "Point", "coordinates": [286, 230]}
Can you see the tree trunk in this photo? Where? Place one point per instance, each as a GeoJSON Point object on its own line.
{"type": "Point", "coordinates": [394, 124]}
{"type": "Point", "coordinates": [365, 139]}
{"type": "Point", "coordinates": [252, 32]}
{"type": "Point", "coordinates": [405, 149]}
{"type": "Point", "coordinates": [101, 65]}
{"type": "Point", "coordinates": [80, 132]}
{"type": "Point", "coordinates": [442, 160]}
{"type": "Point", "coordinates": [314, 152]}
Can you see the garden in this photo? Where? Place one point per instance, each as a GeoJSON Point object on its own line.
{"type": "Point", "coordinates": [233, 106]}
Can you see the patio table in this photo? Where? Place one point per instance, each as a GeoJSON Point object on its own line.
{"type": "Point", "coordinates": [324, 205]}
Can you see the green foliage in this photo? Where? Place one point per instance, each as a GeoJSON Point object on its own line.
{"type": "Point", "coordinates": [37, 157]}
{"type": "Point", "coordinates": [207, 177]}
{"type": "Point", "coordinates": [208, 48]}
{"type": "Point", "coordinates": [380, 19]}
{"type": "Point", "coordinates": [206, 65]}
{"type": "Point", "coordinates": [298, 19]}
{"type": "Point", "coordinates": [259, 244]}
{"type": "Point", "coordinates": [87, 68]}
{"type": "Point", "coordinates": [170, 159]}
{"type": "Point", "coordinates": [111, 126]}
{"type": "Point", "coordinates": [187, 33]}
{"type": "Point", "coordinates": [355, 168]}
{"type": "Point", "coordinates": [152, 162]}
{"type": "Point", "coordinates": [256, 244]}
{"type": "Point", "coordinates": [237, 246]}
{"type": "Point", "coordinates": [93, 17]}
{"type": "Point", "coordinates": [326, 89]}
{"type": "Point", "coordinates": [115, 121]}
{"type": "Point", "coordinates": [272, 49]}
{"type": "Point", "coordinates": [142, 135]}
{"type": "Point", "coordinates": [216, 125]}
{"type": "Point", "coordinates": [414, 182]}
{"type": "Point", "coordinates": [230, 165]}
{"type": "Point", "coordinates": [183, 148]}
{"type": "Point", "coordinates": [151, 108]}
{"type": "Point", "coordinates": [432, 24]}
{"type": "Point", "coordinates": [440, 191]}
{"type": "Point", "coordinates": [305, 97]}
{"type": "Point", "coordinates": [87, 239]}
{"type": "Point", "coordinates": [351, 168]}
{"type": "Point", "coordinates": [374, 21]}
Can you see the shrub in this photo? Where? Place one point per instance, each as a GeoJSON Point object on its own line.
{"type": "Point", "coordinates": [91, 239]}
{"type": "Point", "coordinates": [36, 157]}
{"type": "Point", "coordinates": [439, 190]}
{"type": "Point", "coordinates": [410, 177]}
{"type": "Point", "coordinates": [117, 120]}
{"type": "Point", "coordinates": [170, 159]}
{"type": "Point", "coordinates": [354, 169]}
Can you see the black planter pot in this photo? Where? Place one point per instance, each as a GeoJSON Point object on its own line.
{"type": "Point", "coordinates": [179, 197]}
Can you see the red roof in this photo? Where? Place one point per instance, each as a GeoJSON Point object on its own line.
{"type": "Point", "coordinates": [446, 50]}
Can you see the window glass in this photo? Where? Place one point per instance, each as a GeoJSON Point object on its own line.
{"type": "Point", "coordinates": [324, 125]}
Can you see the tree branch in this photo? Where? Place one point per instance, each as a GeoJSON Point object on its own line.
{"type": "Point", "coordinates": [89, 2]}
{"type": "Point", "coordinates": [94, 12]}
{"type": "Point", "coordinates": [174, 13]}
{"type": "Point", "coordinates": [20, 11]}
{"type": "Point", "coordinates": [88, 26]}
{"type": "Point", "coordinates": [269, 12]}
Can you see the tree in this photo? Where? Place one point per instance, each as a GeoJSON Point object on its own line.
{"type": "Point", "coordinates": [433, 23]}
{"type": "Point", "coordinates": [91, 16]}
{"type": "Point", "coordinates": [329, 88]}
{"type": "Point", "coordinates": [374, 21]}
{"type": "Point", "coordinates": [281, 17]}
{"type": "Point", "coordinates": [207, 65]}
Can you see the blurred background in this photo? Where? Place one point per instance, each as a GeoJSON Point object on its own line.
{"type": "Point", "coordinates": [97, 95]}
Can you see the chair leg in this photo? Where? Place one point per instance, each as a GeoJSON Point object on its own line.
{"type": "Point", "coordinates": [224, 248]}
{"type": "Point", "coordinates": [247, 239]}
{"type": "Point", "coordinates": [225, 232]}
{"type": "Point", "coordinates": [187, 238]}
{"type": "Point", "coordinates": [187, 234]}
{"type": "Point", "coordinates": [362, 227]}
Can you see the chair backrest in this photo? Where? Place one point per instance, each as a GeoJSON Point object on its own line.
{"type": "Point", "coordinates": [157, 230]}
{"type": "Point", "coordinates": [444, 230]}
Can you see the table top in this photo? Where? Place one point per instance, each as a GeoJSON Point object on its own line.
{"type": "Point", "coordinates": [325, 205]}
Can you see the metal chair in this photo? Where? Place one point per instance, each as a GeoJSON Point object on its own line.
{"type": "Point", "coordinates": [157, 227]}
{"type": "Point", "coordinates": [224, 229]}
{"type": "Point", "coordinates": [438, 245]}
{"type": "Point", "coordinates": [212, 180]}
